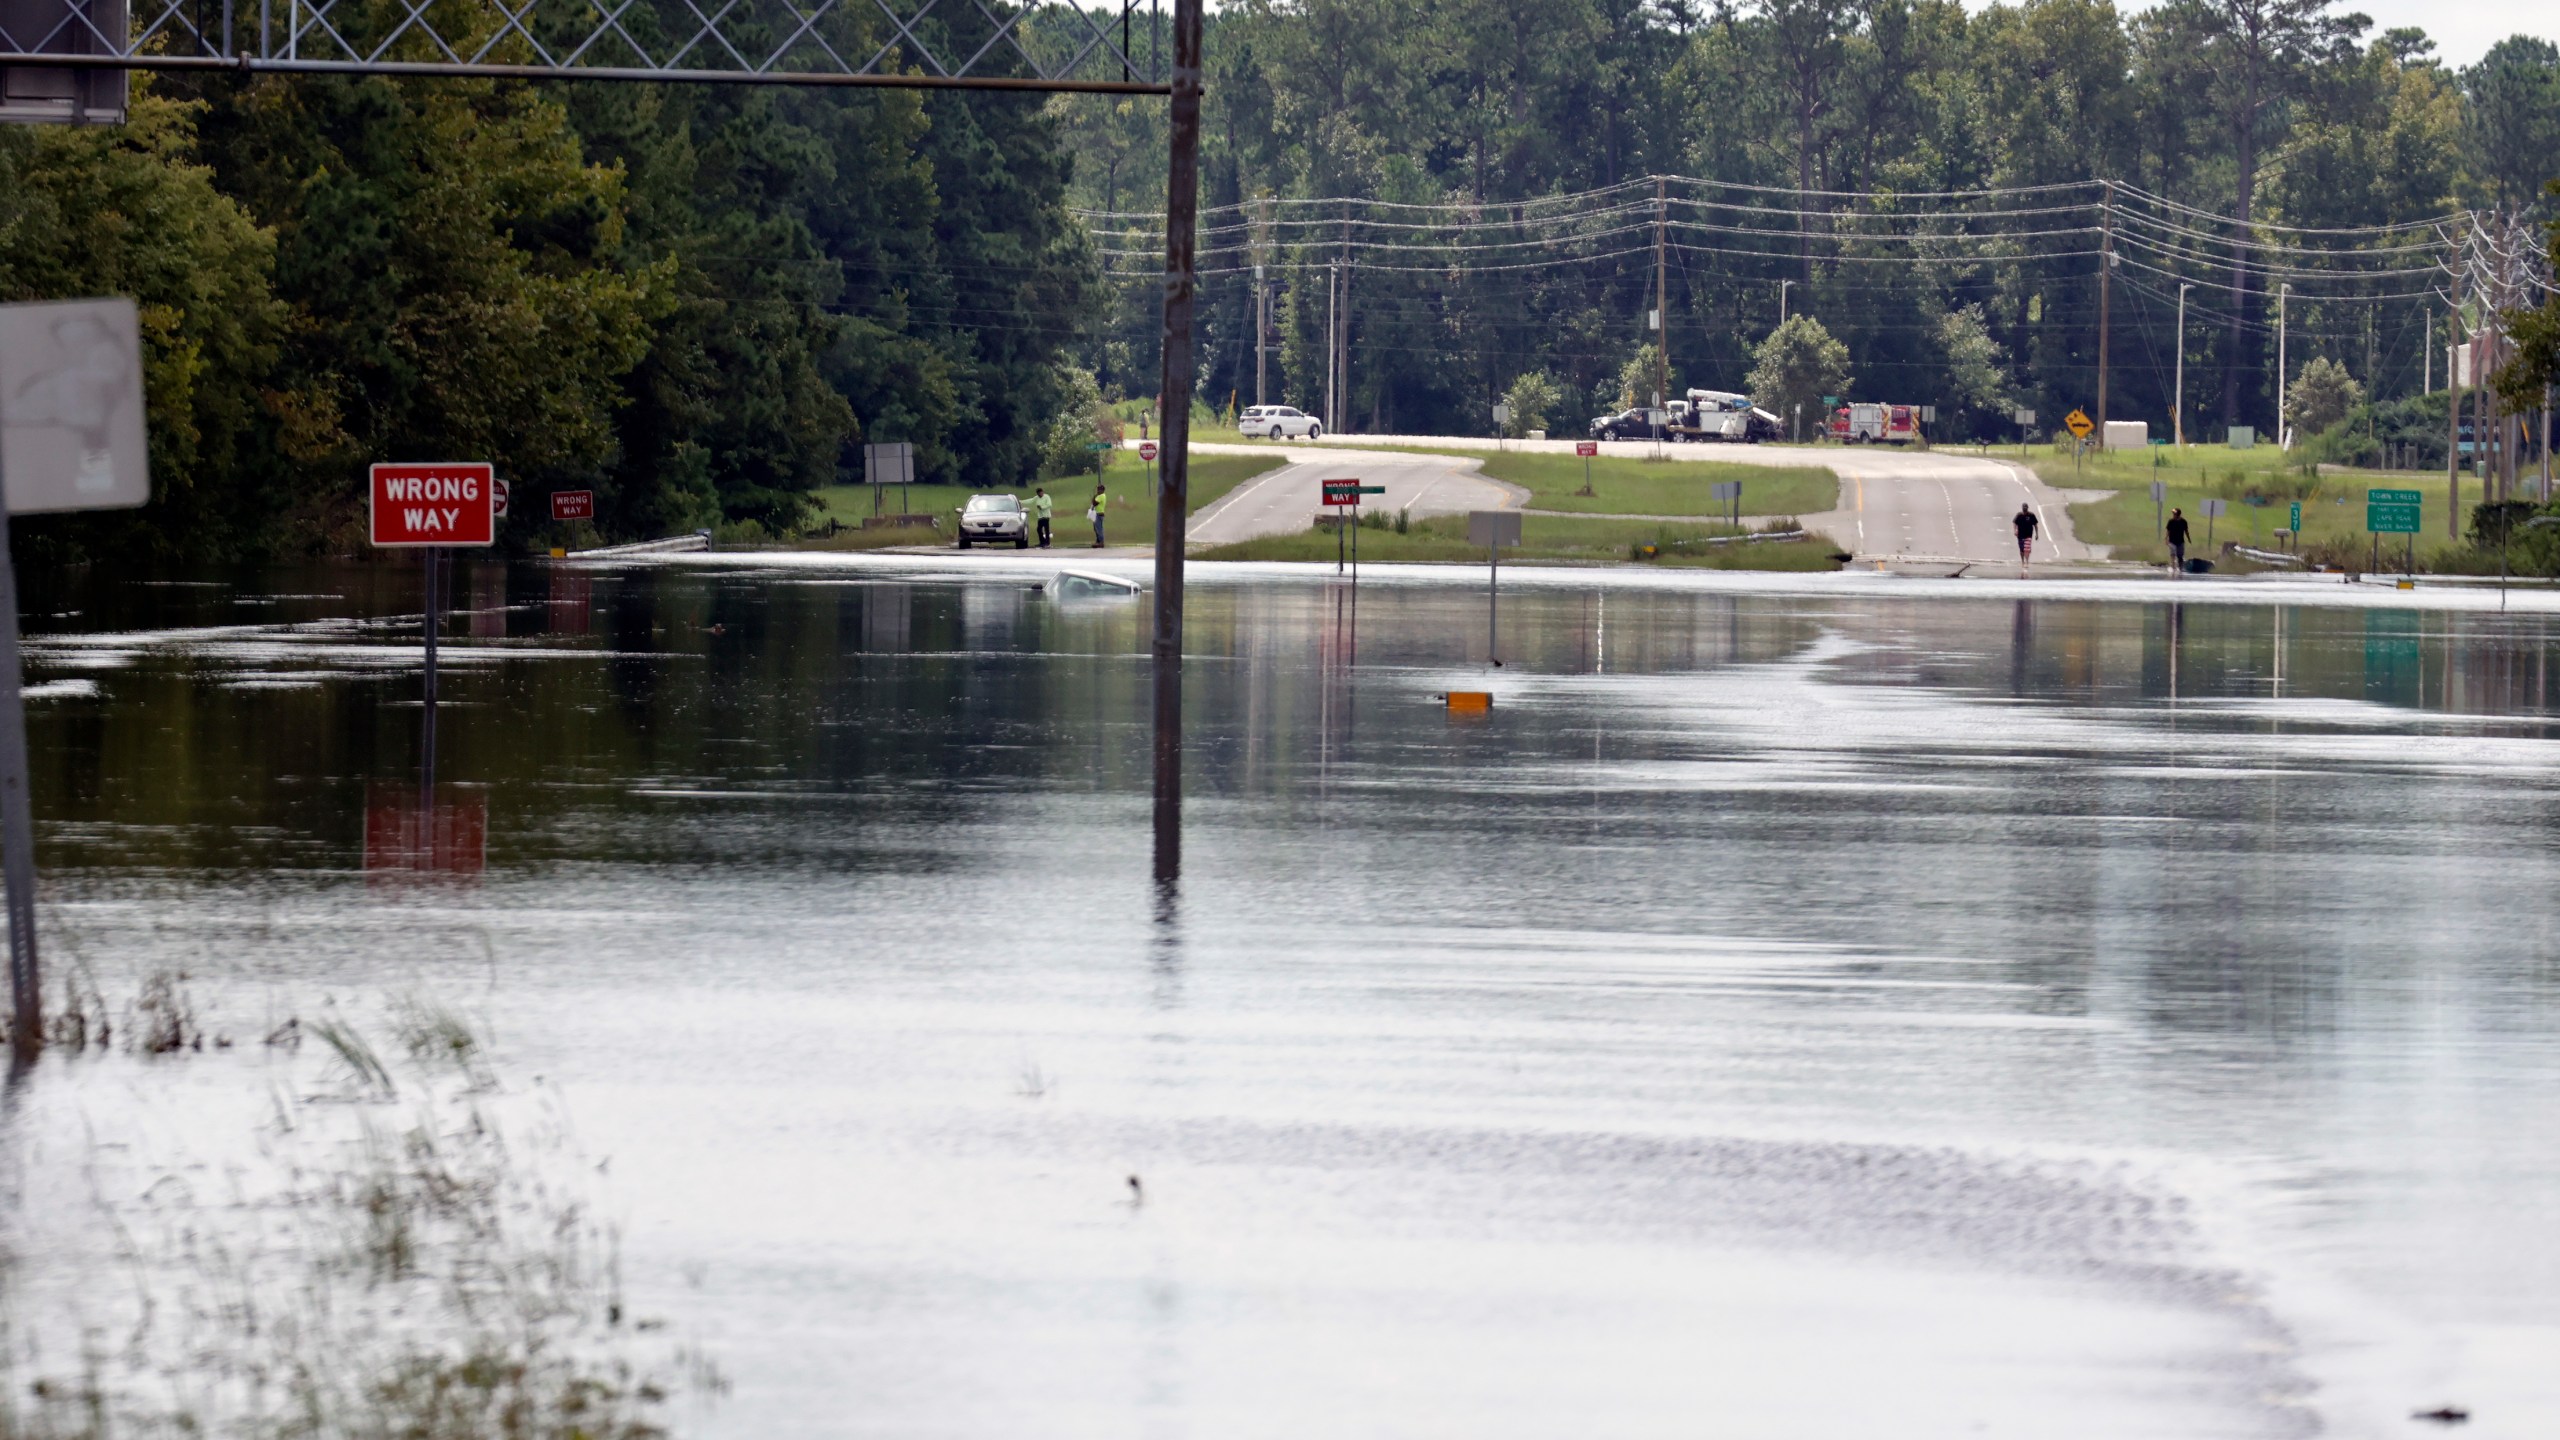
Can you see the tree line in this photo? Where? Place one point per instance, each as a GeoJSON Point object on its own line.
{"type": "Point", "coordinates": [695, 301]}
{"type": "Point", "coordinates": [2288, 121]}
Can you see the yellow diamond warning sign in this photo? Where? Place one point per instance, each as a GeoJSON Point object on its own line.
{"type": "Point", "coordinates": [2079, 424]}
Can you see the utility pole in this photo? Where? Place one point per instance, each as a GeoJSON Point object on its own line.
{"type": "Point", "coordinates": [1332, 316]}
{"type": "Point", "coordinates": [1782, 300]}
{"type": "Point", "coordinates": [1173, 497]}
{"type": "Point", "coordinates": [2106, 283]}
{"type": "Point", "coordinates": [1261, 332]}
{"type": "Point", "coordinates": [2178, 406]}
{"type": "Point", "coordinates": [2284, 438]}
{"type": "Point", "coordinates": [2453, 425]}
{"type": "Point", "coordinates": [1661, 304]}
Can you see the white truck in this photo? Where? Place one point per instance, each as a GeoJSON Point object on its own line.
{"type": "Point", "coordinates": [1721, 415]}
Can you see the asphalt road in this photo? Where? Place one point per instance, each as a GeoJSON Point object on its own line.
{"type": "Point", "coordinates": [1288, 500]}
{"type": "Point", "coordinates": [1936, 505]}
{"type": "Point", "coordinates": [1894, 503]}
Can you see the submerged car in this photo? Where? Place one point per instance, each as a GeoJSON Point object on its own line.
{"type": "Point", "coordinates": [994, 519]}
{"type": "Point", "coordinates": [1073, 585]}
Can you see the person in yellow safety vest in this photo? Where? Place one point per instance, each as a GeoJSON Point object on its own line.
{"type": "Point", "coordinates": [1094, 511]}
{"type": "Point", "coordinates": [1042, 507]}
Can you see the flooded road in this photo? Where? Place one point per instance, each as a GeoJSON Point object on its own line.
{"type": "Point", "coordinates": [1783, 1014]}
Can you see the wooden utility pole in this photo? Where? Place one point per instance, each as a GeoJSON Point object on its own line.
{"type": "Point", "coordinates": [2106, 284]}
{"type": "Point", "coordinates": [1661, 302]}
{"type": "Point", "coordinates": [2453, 352]}
{"type": "Point", "coordinates": [1173, 498]}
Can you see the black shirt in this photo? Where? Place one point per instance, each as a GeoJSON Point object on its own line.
{"type": "Point", "coordinates": [2177, 529]}
{"type": "Point", "coordinates": [2025, 521]}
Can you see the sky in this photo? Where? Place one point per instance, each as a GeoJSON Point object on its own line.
{"type": "Point", "coordinates": [2462, 29]}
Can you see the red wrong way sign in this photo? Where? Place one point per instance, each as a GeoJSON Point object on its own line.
{"type": "Point", "coordinates": [440, 503]}
{"type": "Point", "coordinates": [1586, 448]}
{"type": "Point", "coordinates": [573, 504]}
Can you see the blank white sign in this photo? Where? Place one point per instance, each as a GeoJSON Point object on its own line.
{"type": "Point", "coordinates": [71, 406]}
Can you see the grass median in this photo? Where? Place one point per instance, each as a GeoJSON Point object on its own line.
{"type": "Point", "coordinates": [1549, 539]}
{"type": "Point", "coordinates": [1132, 510]}
{"type": "Point", "coordinates": [2333, 504]}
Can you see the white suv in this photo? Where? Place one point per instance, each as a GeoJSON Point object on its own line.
{"type": "Point", "coordinates": [1277, 422]}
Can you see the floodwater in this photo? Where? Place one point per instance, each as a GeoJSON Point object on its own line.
{"type": "Point", "coordinates": [1881, 1013]}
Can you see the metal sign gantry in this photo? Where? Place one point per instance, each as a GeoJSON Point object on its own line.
{"type": "Point", "coordinates": [79, 49]}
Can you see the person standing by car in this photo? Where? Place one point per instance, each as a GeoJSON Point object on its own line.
{"type": "Point", "coordinates": [2177, 529]}
{"type": "Point", "coordinates": [1041, 509]}
{"type": "Point", "coordinates": [1093, 512]}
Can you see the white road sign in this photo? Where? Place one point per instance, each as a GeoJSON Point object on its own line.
{"type": "Point", "coordinates": [71, 406]}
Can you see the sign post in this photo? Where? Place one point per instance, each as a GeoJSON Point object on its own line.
{"type": "Point", "coordinates": [2294, 527]}
{"type": "Point", "coordinates": [1586, 449]}
{"type": "Point", "coordinates": [2212, 508]}
{"type": "Point", "coordinates": [2159, 493]}
{"type": "Point", "coordinates": [71, 438]}
{"type": "Point", "coordinates": [1147, 453]}
{"type": "Point", "coordinates": [1348, 492]}
{"type": "Point", "coordinates": [1493, 529]}
{"type": "Point", "coordinates": [1729, 491]}
{"type": "Point", "coordinates": [430, 507]}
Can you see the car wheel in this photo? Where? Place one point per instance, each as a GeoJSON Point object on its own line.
{"type": "Point", "coordinates": [1315, 432]}
{"type": "Point", "coordinates": [1021, 542]}
{"type": "Point", "coordinates": [1608, 434]}
{"type": "Point", "coordinates": [964, 542]}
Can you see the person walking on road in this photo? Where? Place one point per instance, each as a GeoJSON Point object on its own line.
{"type": "Point", "coordinates": [2024, 522]}
{"type": "Point", "coordinates": [1093, 512]}
{"type": "Point", "coordinates": [1042, 507]}
{"type": "Point", "coordinates": [2177, 529]}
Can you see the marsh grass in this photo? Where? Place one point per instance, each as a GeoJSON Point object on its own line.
{"type": "Point", "coordinates": [404, 1247]}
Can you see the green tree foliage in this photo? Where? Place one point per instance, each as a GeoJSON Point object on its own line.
{"type": "Point", "coordinates": [1533, 397]}
{"type": "Point", "coordinates": [132, 211]}
{"type": "Point", "coordinates": [457, 276]}
{"type": "Point", "coordinates": [2515, 118]}
{"type": "Point", "coordinates": [1977, 372]}
{"type": "Point", "coordinates": [1640, 376]}
{"type": "Point", "coordinates": [2533, 365]}
{"type": "Point", "coordinates": [1796, 365]}
{"type": "Point", "coordinates": [695, 301]}
{"type": "Point", "coordinates": [2322, 395]}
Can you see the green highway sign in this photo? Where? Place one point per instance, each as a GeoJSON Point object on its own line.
{"type": "Point", "coordinates": [2296, 526]}
{"type": "Point", "coordinates": [2390, 512]}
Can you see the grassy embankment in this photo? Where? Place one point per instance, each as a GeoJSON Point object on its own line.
{"type": "Point", "coordinates": [1662, 487]}
{"type": "Point", "coordinates": [1132, 512]}
{"type": "Point", "coordinates": [1547, 538]}
{"type": "Point", "coordinates": [2333, 511]}
{"type": "Point", "coordinates": [1623, 486]}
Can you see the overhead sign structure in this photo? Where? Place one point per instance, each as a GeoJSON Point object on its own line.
{"type": "Point", "coordinates": [573, 504]}
{"type": "Point", "coordinates": [2391, 512]}
{"type": "Point", "coordinates": [439, 503]}
{"type": "Point", "coordinates": [70, 439]}
{"type": "Point", "coordinates": [2079, 424]}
